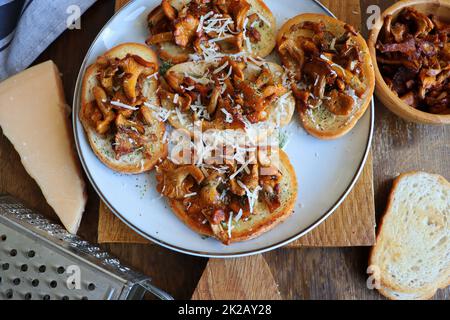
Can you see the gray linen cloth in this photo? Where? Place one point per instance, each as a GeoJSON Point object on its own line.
{"type": "Point", "coordinates": [28, 27]}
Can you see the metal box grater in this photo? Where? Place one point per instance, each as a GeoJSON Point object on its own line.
{"type": "Point", "coordinates": [39, 260]}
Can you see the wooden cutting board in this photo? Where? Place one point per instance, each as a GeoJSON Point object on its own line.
{"type": "Point", "coordinates": [353, 223]}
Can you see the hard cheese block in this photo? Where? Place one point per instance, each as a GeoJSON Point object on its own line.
{"type": "Point", "coordinates": [34, 117]}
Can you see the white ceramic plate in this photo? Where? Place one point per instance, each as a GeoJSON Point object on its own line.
{"type": "Point", "coordinates": [326, 170]}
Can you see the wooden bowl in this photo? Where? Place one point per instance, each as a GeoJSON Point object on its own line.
{"type": "Point", "coordinates": [440, 8]}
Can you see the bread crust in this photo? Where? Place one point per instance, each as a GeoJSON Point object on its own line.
{"type": "Point", "coordinates": [337, 27]}
{"type": "Point", "coordinates": [256, 229]}
{"type": "Point", "coordinates": [388, 288]}
{"type": "Point", "coordinates": [140, 165]}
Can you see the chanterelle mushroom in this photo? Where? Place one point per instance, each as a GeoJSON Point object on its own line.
{"type": "Point", "coordinates": [176, 182]}
{"type": "Point", "coordinates": [132, 71]}
{"type": "Point", "coordinates": [102, 126]}
{"type": "Point", "coordinates": [185, 30]}
{"type": "Point", "coordinates": [209, 192]}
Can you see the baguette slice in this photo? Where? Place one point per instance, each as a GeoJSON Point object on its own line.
{"type": "Point", "coordinates": [262, 221]}
{"type": "Point", "coordinates": [174, 54]}
{"type": "Point", "coordinates": [320, 122]}
{"type": "Point", "coordinates": [413, 245]}
{"type": "Point", "coordinates": [135, 162]}
{"type": "Point", "coordinates": [280, 112]}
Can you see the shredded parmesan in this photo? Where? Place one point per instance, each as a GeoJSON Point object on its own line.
{"type": "Point", "coordinates": [239, 215]}
{"type": "Point", "coordinates": [161, 114]}
{"type": "Point", "coordinates": [230, 225]}
{"type": "Point", "coordinates": [154, 75]}
{"type": "Point", "coordinates": [245, 165]}
{"type": "Point", "coordinates": [123, 105]}
{"type": "Point", "coordinates": [190, 195]}
{"type": "Point", "coordinates": [228, 116]}
{"type": "Point", "coordinates": [251, 195]}
{"type": "Point", "coordinates": [222, 67]}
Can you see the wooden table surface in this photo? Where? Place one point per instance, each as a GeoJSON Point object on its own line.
{"type": "Point", "coordinates": [306, 273]}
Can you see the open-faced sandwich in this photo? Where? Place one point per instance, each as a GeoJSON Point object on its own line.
{"type": "Point", "coordinates": [331, 70]}
{"type": "Point", "coordinates": [226, 94]}
{"type": "Point", "coordinates": [124, 134]}
{"type": "Point", "coordinates": [198, 29]}
{"type": "Point", "coordinates": [231, 201]}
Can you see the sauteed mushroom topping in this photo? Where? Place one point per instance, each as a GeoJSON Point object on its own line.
{"type": "Point", "coordinates": [223, 191]}
{"type": "Point", "coordinates": [223, 26]}
{"type": "Point", "coordinates": [118, 98]}
{"type": "Point", "coordinates": [326, 69]}
{"type": "Point", "coordinates": [413, 53]}
{"type": "Point", "coordinates": [223, 93]}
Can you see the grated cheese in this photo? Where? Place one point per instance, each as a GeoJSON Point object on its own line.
{"type": "Point", "coordinates": [229, 116]}
{"type": "Point", "coordinates": [222, 67]}
{"type": "Point", "coordinates": [161, 114]}
{"type": "Point", "coordinates": [123, 105]}
{"type": "Point", "coordinates": [154, 75]}
{"type": "Point", "coordinates": [239, 215]}
{"type": "Point", "coordinates": [230, 225]}
{"type": "Point", "coordinates": [252, 196]}
{"type": "Point", "coordinates": [190, 195]}
{"type": "Point", "coordinates": [245, 165]}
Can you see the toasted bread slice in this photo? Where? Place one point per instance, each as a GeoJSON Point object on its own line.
{"type": "Point", "coordinates": [174, 54]}
{"type": "Point", "coordinates": [412, 251]}
{"type": "Point", "coordinates": [320, 122]}
{"type": "Point", "coordinates": [262, 220]}
{"type": "Point", "coordinates": [135, 162]}
{"type": "Point", "coordinates": [280, 111]}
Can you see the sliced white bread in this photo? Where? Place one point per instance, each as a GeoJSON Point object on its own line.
{"type": "Point", "coordinates": [262, 220]}
{"type": "Point", "coordinates": [135, 162]}
{"type": "Point", "coordinates": [280, 112]}
{"type": "Point", "coordinates": [169, 51]}
{"type": "Point", "coordinates": [412, 251]}
{"type": "Point", "coordinates": [320, 122]}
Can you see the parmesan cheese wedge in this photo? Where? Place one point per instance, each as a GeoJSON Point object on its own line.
{"type": "Point", "coordinates": [34, 117]}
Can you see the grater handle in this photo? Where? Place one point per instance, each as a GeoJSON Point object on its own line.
{"type": "Point", "coordinates": [146, 284]}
